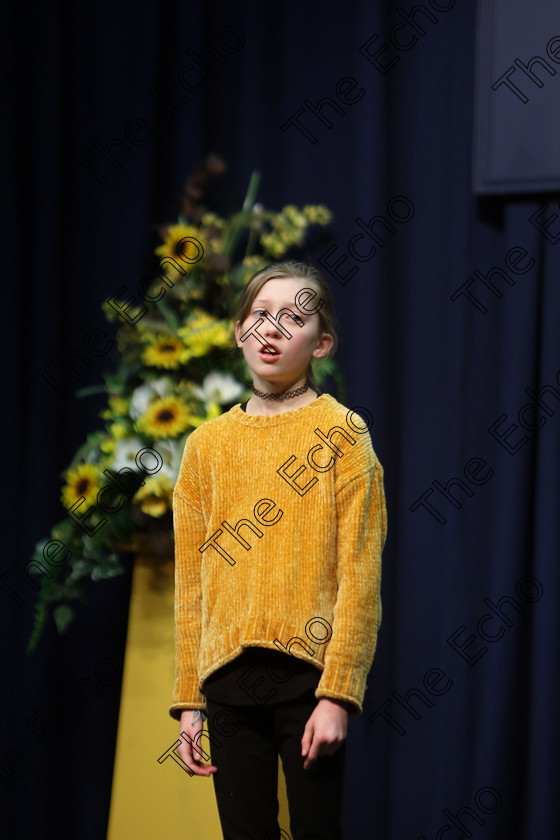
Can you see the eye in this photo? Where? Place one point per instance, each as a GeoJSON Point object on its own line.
{"type": "Point", "coordinates": [260, 312]}
{"type": "Point", "coordinates": [299, 321]}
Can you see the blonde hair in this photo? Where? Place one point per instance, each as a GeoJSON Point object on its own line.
{"type": "Point", "coordinates": [290, 269]}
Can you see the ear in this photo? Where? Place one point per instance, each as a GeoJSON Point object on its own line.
{"type": "Point", "coordinates": [238, 334]}
{"type": "Point", "coordinates": [324, 345]}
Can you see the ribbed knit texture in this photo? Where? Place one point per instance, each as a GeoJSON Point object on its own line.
{"type": "Point", "coordinates": [280, 549]}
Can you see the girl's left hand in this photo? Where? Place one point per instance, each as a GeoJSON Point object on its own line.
{"type": "Point", "coordinates": [325, 730]}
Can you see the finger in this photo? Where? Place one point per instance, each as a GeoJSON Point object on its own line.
{"type": "Point", "coordinates": [197, 767]}
{"type": "Point", "coordinates": [193, 763]}
{"type": "Point", "coordinates": [309, 762]}
{"type": "Point", "coordinates": [204, 769]}
{"type": "Point", "coordinates": [307, 738]}
{"type": "Point", "coordinates": [312, 754]}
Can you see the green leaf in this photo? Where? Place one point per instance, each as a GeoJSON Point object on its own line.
{"type": "Point", "coordinates": [63, 616]}
{"type": "Point", "coordinates": [238, 222]}
{"type": "Point", "coordinates": [169, 315]}
{"type": "Point", "coordinates": [157, 325]}
{"type": "Point", "coordinates": [38, 624]}
{"type": "Point", "coordinates": [252, 190]}
{"type": "Point", "coordinates": [91, 389]}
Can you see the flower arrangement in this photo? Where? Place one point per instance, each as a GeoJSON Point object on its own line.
{"type": "Point", "coordinates": [177, 370]}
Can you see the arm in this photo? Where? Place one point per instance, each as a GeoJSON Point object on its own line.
{"type": "Point", "coordinates": [361, 531]}
{"type": "Point", "coordinates": [362, 526]}
{"type": "Point", "coordinates": [190, 534]}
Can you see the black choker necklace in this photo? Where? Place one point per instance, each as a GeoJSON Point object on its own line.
{"type": "Point", "coordinates": [283, 395]}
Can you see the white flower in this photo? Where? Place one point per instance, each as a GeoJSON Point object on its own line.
{"type": "Point", "coordinates": [171, 453]}
{"type": "Point", "coordinates": [144, 394]}
{"type": "Point", "coordinates": [218, 388]}
{"type": "Point", "coordinates": [126, 450]}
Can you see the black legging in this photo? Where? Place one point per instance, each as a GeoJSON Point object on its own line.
{"type": "Point", "coordinates": [245, 743]}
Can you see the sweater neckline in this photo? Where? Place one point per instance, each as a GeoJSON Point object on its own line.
{"type": "Point", "coordinates": [240, 416]}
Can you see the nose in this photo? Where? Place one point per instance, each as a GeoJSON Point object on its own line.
{"type": "Point", "coordinates": [271, 330]}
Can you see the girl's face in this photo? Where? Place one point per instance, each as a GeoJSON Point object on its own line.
{"type": "Point", "coordinates": [292, 355]}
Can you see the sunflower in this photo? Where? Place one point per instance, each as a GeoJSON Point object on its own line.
{"type": "Point", "coordinates": [164, 352]}
{"type": "Point", "coordinates": [81, 482]}
{"type": "Point", "coordinates": [165, 418]}
{"type": "Point", "coordinates": [203, 333]}
{"type": "Point", "coordinates": [156, 496]}
{"type": "Point", "coordinates": [174, 245]}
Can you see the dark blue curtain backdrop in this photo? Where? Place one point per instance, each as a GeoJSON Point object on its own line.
{"type": "Point", "coordinates": [450, 339]}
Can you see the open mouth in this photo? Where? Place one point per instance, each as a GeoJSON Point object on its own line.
{"type": "Point", "coordinates": [268, 350]}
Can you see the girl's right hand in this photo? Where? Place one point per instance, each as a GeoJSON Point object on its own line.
{"type": "Point", "coordinates": [190, 752]}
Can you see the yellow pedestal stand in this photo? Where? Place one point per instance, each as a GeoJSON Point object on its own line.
{"type": "Point", "coordinates": [151, 800]}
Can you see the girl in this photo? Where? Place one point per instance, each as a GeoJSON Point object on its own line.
{"type": "Point", "coordinates": [279, 517]}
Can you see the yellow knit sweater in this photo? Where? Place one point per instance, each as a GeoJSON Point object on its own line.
{"type": "Point", "coordinates": [279, 519]}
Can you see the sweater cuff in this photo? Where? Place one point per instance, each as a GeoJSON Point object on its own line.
{"type": "Point", "coordinates": [176, 710]}
{"type": "Point", "coordinates": [353, 706]}
{"type": "Point", "coordinates": [339, 681]}
{"type": "Point", "coordinates": [186, 695]}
